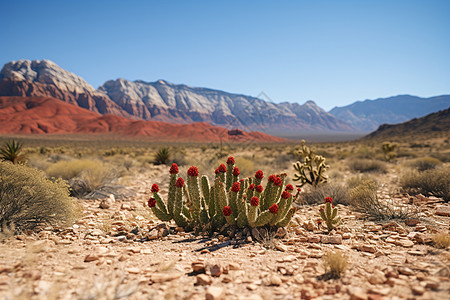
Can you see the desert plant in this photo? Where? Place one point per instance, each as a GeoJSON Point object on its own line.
{"type": "Point", "coordinates": [441, 240]}
{"type": "Point", "coordinates": [28, 199]}
{"type": "Point", "coordinates": [329, 214]}
{"type": "Point", "coordinates": [195, 205]}
{"type": "Point", "coordinates": [162, 156]}
{"type": "Point", "coordinates": [367, 165]}
{"type": "Point", "coordinates": [335, 263]}
{"type": "Point", "coordinates": [11, 151]}
{"type": "Point", "coordinates": [425, 163]}
{"type": "Point", "coordinates": [337, 191]}
{"type": "Point", "coordinates": [311, 170]}
{"type": "Point", "coordinates": [434, 181]}
{"type": "Point", "coordinates": [389, 150]}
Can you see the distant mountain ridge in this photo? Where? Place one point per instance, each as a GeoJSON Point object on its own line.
{"type": "Point", "coordinates": [164, 101]}
{"type": "Point", "coordinates": [369, 114]}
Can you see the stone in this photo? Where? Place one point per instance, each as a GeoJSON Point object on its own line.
{"type": "Point", "coordinates": [125, 206]}
{"type": "Point", "coordinates": [275, 280]}
{"type": "Point", "coordinates": [310, 225]}
{"type": "Point", "coordinates": [442, 210]}
{"type": "Point", "coordinates": [91, 257]}
{"type": "Point", "coordinates": [280, 247]}
{"type": "Point", "coordinates": [215, 293]}
{"type": "Point", "coordinates": [431, 284]}
{"type": "Point", "coordinates": [203, 279]}
{"type": "Point", "coordinates": [163, 277]}
{"type": "Point", "coordinates": [357, 293]}
{"type": "Point", "coordinates": [405, 271]}
{"type": "Point", "coordinates": [198, 267]}
{"type": "Point", "coordinates": [215, 270]}
{"type": "Point", "coordinates": [412, 222]}
{"type": "Point", "coordinates": [367, 248]}
{"type": "Point", "coordinates": [418, 290]}
{"type": "Point", "coordinates": [234, 266]}
{"type": "Point", "coordinates": [331, 239]}
{"type": "Point", "coordinates": [314, 239]}
{"type": "Point", "coordinates": [133, 270]}
{"type": "Point", "coordinates": [377, 277]}
{"type": "Point", "coordinates": [405, 243]}
{"type": "Point", "coordinates": [106, 203]}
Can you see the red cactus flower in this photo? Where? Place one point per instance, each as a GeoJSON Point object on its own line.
{"type": "Point", "coordinates": [151, 202]}
{"type": "Point", "coordinates": [321, 209]}
{"type": "Point", "coordinates": [222, 168]}
{"type": "Point", "coordinates": [332, 205]}
{"type": "Point", "coordinates": [192, 171]}
{"type": "Point", "coordinates": [217, 171]}
{"type": "Point", "coordinates": [272, 178]}
{"type": "Point", "coordinates": [259, 188]}
{"type": "Point", "coordinates": [236, 187]}
{"type": "Point", "coordinates": [273, 208]}
{"type": "Point", "coordinates": [277, 181]}
{"type": "Point", "coordinates": [226, 211]}
{"type": "Point", "coordinates": [251, 187]}
{"type": "Point", "coordinates": [155, 188]}
{"type": "Point", "coordinates": [299, 190]}
{"type": "Point", "coordinates": [241, 180]}
{"type": "Point", "coordinates": [289, 187]}
{"type": "Point", "coordinates": [174, 169]}
{"type": "Point", "coordinates": [259, 175]}
{"type": "Point", "coordinates": [319, 221]}
{"type": "Point", "coordinates": [328, 200]}
{"type": "Point", "coordinates": [230, 160]}
{"type": "Point", "coordinates": [285, 195]}
{"type": "Point", "coordinates": [180, 182]}
{"type": "Point", "coordinates": [236, 171]}
{"type": "Point", "coordinates": [254, 201]}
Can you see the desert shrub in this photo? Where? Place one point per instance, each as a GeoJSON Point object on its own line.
{"type": "Point", "coordinates": [359, 179]}
{"type": "Point", "coordinates": [11, 151]}
{"type": "Point", "coordinates": [442, 156]}
{"type": "Point", "coordinates": [70, 169]}
{"type": "Point", "coordinates": [162, 156]}
{"type": "Point", "coordinates": [337, 191]}
{"type": "Point", "coordinates": [311, 168]}
{"type": "Point", "coordinates": [367, 166]}
{"type": "Point", "coordinates": [389, 150]}
{"type": "Point", "coordinates": [335, 263]}
{"type": "Point", "coordinates": [425, 163]}
{"type": "Point", "coordinates": [363, 198]}
{"type": "Point", "coordinates": [441, 240]}
{"type": "Point", "coordinates": [246, 166]}
{"type": "Point", "coordinates": [28, 199]}
{"type": "Point", "coordinates": [434, 181]}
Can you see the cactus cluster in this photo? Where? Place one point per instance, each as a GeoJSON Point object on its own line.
{"type": "Point", "coordinates": [389, 150]}
{"type": "Point", "coordinates": [329, 214]}
{"type": "Point", "coordinates": [312, 169]}
{"type": "Point", "coordinates": [194, 204]}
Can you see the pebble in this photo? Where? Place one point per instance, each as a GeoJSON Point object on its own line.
{"type": "Point", "coordinates": [215, 293]}
{"type": "Point", "coordinates": [418, 290]}
{"type": "Point", "coordinates": [203, 279]}
{"type": "Point", "coordinates": [215, 270]}
{"type": "Point", "coordinates": [91, 257]}
{"type": "Point", "coordinates": [163, 277]}
{"type": "Point", "coordinates": [405, 271]}
{"type": "Point", "coordinates": [377, 277]}
{"type": "Point", "coordinates": [443, 210]}
{"type": "Point", "coordinates": [331, 239]}
{"type": "Point", "coordinates": [198, 267]}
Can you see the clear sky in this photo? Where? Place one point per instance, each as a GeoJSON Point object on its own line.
{"type": "Point", "coordinates": [332, 52]}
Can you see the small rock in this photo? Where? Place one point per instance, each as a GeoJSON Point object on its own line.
{"type": "Point", "coordinates": [275, 280]}
{"type": "Point", "coordinates": [405, 243]}
{"type": "Point", "coordinates": [106, 203]}
{"type": "Point", "coordinates": [125, 206]}
{"type": "Point", "coordinates": [367, 248]}
{"type": "Point", "coordinates": [405, 271]}
{"type": "Point", "coordinates": [434, 285]}
{"type": "Point", "coordinates": [412, 222]}
{"type": "Point", "coordinates": [234, 266]}
{"type": "Point", "coordinates": [215, 270]}
{"type": "Point", "coordinates": [281, 232]}
{"type": "Point", "coordinates": [314, 239]}
{"type": "Point", "coordinates": [443, 210]}
{"type": "Point", "coordinates": [163, 277]}
{"type": "Point", "coordinates": [357, 293]}
{"type": "Point", "coordinates": [133, 270]}
{"type": "Point", "coordinates": [215, 293]}
{"type": "Point", "coordinates": [418, 290]}
{"type": "Point", "coordinates": [281, 247]}
{"type": "Point", "coordinates": [203, 279]}
{"type": "Point", "coordinates": [91, 257]}
{"type": "Point", "coordinates": [377, 277]}
{"type": "Point", "coordinates": [331, 239]}
{"type": "Point", "coordinates": [310, 226]}
{"type": "Point", "coordinates": [198, 267]}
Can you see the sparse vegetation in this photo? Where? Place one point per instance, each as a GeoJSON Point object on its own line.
{"type": "Point", "coordinates": [162, 156]}
{"type": "Point", "coordinates": [367, 166]}
{"type": "Point", "coordinates": [435, 182]}
{"type": "Point", "coordinates": [425, 163]}
{"type": "Point", "coordinates": [11, 151]}
{"type": "Point", "coordinates": [389, 150]}
{"type": "Point", "coordinates": [335, 263]}
{"type": "Point", "coordinates": [337, 191]}
{"type": "Point", "coordinates": [311, 169]}
{"type": "Point", "coordinates": [441, 240]}
{"type": "Point", "coordinates": [29, 200]}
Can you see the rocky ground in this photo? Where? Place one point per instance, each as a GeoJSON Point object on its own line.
{"type": "Point", "coordinates": [119, 250]}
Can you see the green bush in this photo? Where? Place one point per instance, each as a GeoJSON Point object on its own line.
{"type": "Point", "coordinates": [29, 200]}
{"type": "Point", "coordinates": [425, 163]}
{"type": "Point", "coordinates": [434, 181]}
{"type": "Point", "coordinates": [162, 156]}
{"type": "Point", "coordinates": [11, 151]}
{"type": "Point", "coordinates": [367, 166]}
{"type": "Point", "coordinates": [338, 192]}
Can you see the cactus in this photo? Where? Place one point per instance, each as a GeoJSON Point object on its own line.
{"type": "Point", "coordinates": [312, 169]}
{"type": "Point", "coordinates": [389, 150]}
{"type": "Point", "coordinates": [228, 201]}
{"type": "Point", "coordinates": [329, 214]}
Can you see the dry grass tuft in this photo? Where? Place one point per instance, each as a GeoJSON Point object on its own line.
{"type": "Point", "coordinates": [337, 191]}
{"type": "Point", "coordinates": [441, 240]}
{"type": "Point", "coordinates": [425, 163]}
{"type": "Point", "coordinates": [367, 166]}
{"type": "Point", "coordinates": [335, 263]}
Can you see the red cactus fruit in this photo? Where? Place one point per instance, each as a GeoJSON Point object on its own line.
{"type": "Point", "coordinates": [321, 209]}
{"type": "Point", "coordinates": [226, 211]}
{"type": "Point", "coordinates": [259, 175]}
{"type": "Point", "coordinates": [328, 200]}
{"type": "Point", "coordinates": [222, 168]}
{"type": "Point", "coordinates": [251, 187]}
{"type": "Point", "coordinates": [155, 188]}
{"type": "Point", "coordinates": [179, 183]}
{"type": "Point", "coordinates": [174, 169]}
{"type": "Point", "coordinates": [151, 202]}
{"type": "Point", "coordinates": [254, 201]}
{"type": "Point", "coordinates": [273, 208]}
{"type": "Point", "coordinates": [299, 190]}
{"type": "Point", "coordinates": [230, 160]}
{"type": "Point", "coordinates": [192, 171]}
{"type": "Point", "coordinates": [319, 221]}
{"type": "Point", "coordinates": [277, 181]}
{"type": "Point", "coordinates": [272, 178]}
{"type": "Point", "coordinates": [217, 171]}
{"type": "Point", "coordinates": [285, 195]}
{"type": "Point", "coordinates": [259, 188]}
{"type": "Point", "coordinates": [236, 187]}
{"type": "Point", "coordinates": [289, 187]}
{"type": "Point", "coordinates": [236, 171]}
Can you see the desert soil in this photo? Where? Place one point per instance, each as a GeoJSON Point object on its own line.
{"type": "Point", "coordinates": [121, 251]}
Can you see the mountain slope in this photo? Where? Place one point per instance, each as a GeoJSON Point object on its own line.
{"type": "Point", "coordinates": [438, 122]}
{"type": "Point", "coordinates": [369, 114]}
{"type": "Point", "coordinates": [46, 115]}
{"type": "Point", "coordinates": [169, 102]}
{"type": "Point", "coordinates": [45, 78]}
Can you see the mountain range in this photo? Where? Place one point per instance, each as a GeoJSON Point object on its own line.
{"type": "Point", "coordinates": [181, 104]}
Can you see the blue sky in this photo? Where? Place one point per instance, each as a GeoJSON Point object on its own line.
{"type": "Point", "coordinates": [332, 52]}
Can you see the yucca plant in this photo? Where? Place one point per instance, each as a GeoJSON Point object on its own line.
{"type": "Point", "coordinates": [162, 156]}
{"type": "Point", "coordinates": [11, 151]}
